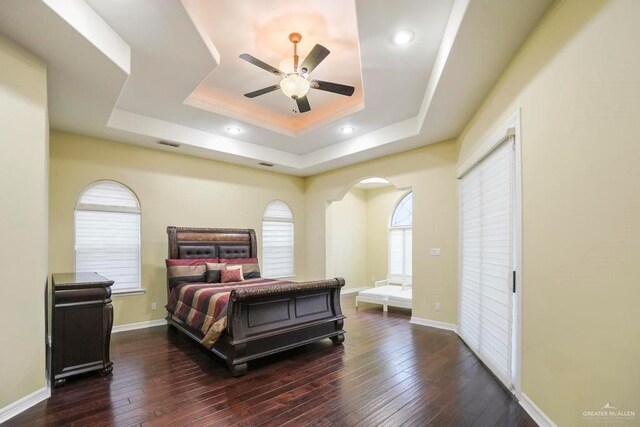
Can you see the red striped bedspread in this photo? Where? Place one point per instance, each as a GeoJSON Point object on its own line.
{"type": "Point", "coordinates": [203, 306]}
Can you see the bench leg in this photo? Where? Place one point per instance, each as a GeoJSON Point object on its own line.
{"type": "Point", "coordinates": [384, 307]}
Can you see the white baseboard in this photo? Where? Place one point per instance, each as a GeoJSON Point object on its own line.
{"type": "Point", "coordinates": [348, 291]}
{"type": "Point", "coordinates": [434, 324]}
{"type": "Point", "coordinates": [139, 325]}
{"type": "Point", "coordinates": [536, 413]}
{"type": "Point", "coordinates": [23, 404]}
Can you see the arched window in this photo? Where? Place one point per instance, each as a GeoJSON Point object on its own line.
{"type": "Point", "coordinates": [277, 240]}
{"type": "Point", "coordinates": [107, 229]}
{"type": "Point", "coordinates": [400, 238]}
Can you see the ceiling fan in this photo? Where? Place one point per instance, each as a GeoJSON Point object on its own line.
{"type": "Point", "coordinates": [296, 84]}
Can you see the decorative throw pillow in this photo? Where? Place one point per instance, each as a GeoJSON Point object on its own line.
{"type": "Point", "coordinates": [213, 272]}
{"type": "Point", "coordinates": [178, 274]}
{"type": "Point", "coordinates": [250, 266]}
{"type": "Point", "coordinates": [235, 267]}
{"type": "Point", "coordinates": [233, 275]}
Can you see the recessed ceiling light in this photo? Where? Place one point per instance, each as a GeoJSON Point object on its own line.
{"type": "Point", "coordinates": [347, 130]}
{"type": "Point", "coordinates": [233, 130]}
{"type": "Point", "coordinates": [402, 37]}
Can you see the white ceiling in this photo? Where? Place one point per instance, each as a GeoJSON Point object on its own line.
{"type": "Point", "coordinates": [138, 71]}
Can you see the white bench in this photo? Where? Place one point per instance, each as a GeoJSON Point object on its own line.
{"type": "Point", "coordinates": [394, 293]}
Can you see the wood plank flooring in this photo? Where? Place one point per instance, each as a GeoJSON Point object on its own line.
{"type": "Point", "coordinates": [388, 372]}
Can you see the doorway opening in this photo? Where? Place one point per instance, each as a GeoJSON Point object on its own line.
{"type": "Point", "coordinates": [369, 242]}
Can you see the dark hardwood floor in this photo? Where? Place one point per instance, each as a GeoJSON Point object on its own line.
{"type": "Point", "coordinates": [388, 372]}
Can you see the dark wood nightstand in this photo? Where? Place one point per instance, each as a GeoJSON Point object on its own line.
{"type": "Point", "coordinates": [81, 325]}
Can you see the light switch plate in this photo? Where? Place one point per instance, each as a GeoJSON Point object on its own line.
{"type": "Point", "coordinates": [435, 252]}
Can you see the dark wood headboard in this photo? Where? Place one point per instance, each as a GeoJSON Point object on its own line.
{"type": "Point", "coordinates": [190, 242]}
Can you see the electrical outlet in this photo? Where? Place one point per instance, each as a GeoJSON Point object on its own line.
{"type": "Point", "coordinates": [435, 252]}
{"type": "Point", "coordinates": [154, 306]}
{"type": "Point", "coordinates": [437, 306]}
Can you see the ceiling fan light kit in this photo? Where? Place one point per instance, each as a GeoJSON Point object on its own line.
{"type": "Point", "coordinates": [296, 85]}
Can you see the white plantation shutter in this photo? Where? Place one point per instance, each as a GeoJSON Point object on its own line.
{"type": "Point", "coordinates": [107, 234]}
{"type": "Point", "coordinates": [396, 252]}
{"type": "Point", "coordinates": [407, 249]}
{"type": "Point", "coordinates": [400, 252]}
{"type": "Point", "coordinates": [486, 195]}
{"type": "Point", "coordinates": [400, 239]}
{"type": "Point", "coordinates": [277, 240]}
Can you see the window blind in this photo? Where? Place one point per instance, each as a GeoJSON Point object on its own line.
{"type": "Point", "coordinates": [107, 234]}
{"type": "Point", "coordinates": [400, 236]}
{"type": "Point", "coordinates": [277, 241]}
{"type": "Point", "coordinates": [400, 256]}
{"type": "Point", "coordinates": [486, 211]}
{"type": "Point", "coordinates": [107, 194]}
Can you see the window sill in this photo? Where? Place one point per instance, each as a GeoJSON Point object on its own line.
{"type": "Point", "coordinates": [124, 293]}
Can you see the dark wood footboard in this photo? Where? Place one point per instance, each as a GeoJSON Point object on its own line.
{"type": "Point", "coordinates": [270, 319]}
{"type": "Point", "coordinates": [266, 320]}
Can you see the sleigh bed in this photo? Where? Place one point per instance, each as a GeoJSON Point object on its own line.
{"type": "Point", "coordinates": [255, 317]}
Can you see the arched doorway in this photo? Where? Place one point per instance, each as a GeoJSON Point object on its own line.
{"type": "Point", "coordinates": [364, 244]}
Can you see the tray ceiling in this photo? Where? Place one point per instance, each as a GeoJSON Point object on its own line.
{"type": "Point", "coordinates": [147, 70]}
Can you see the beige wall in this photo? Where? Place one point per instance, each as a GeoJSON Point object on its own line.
{"type": "Point", "coordinates": [23, 222]}
{"type": "Point", "coordinates": [577, 81]}
{"type": "Point", "coordinates": [347, 239]}
{"type": "Point", "coordinates": [431, 173]}
{"type": "Point", "coordinates": [380, 205]}
{"type": "Point", "coordinates": [173, 190]}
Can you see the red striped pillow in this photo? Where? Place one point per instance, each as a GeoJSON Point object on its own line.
{"type": "Point", "coordinates": [178, 274]}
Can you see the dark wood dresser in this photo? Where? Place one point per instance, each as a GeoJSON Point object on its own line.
{"type": "Point", "coordinates": [81, 326]}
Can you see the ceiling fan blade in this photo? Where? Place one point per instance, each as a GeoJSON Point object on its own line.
{"type": "Point", "coordinates": [262, 91]}
{"type": "Point", "coordinates": [333, 87]}
{"type": "Point", "coordinates": [255, 61]}
{"type": "Point", "coordinates": [315, 57]}
{"type": "Point", "coordinates": [303, 104]}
